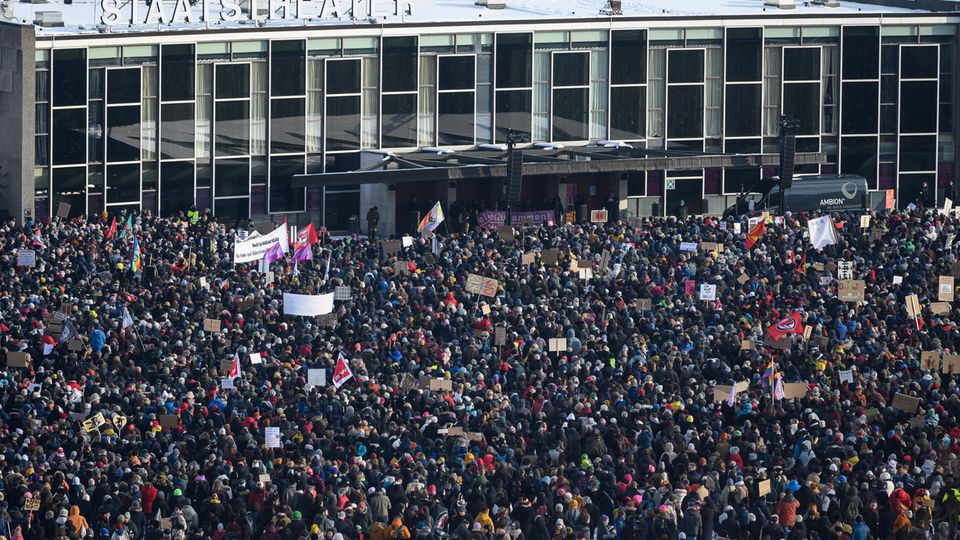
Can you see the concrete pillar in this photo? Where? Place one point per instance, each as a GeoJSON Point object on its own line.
{"type": "Point", "coordinates": [385, 199]}
{"type": "Point", "coordinates": [17, 102]}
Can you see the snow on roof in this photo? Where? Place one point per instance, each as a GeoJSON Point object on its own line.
{"type": "Point", "coordinates": [86, 17]}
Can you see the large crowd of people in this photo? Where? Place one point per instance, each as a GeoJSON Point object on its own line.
{"type": "Point", "coordinates": [600, 405]}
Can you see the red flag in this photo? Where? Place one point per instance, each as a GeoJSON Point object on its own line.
{"type": "Point", "coordinates": [802, 266]}
{"type": "Point", "coordinates": [790, 325]}
{"type": "Point", "coordinates": [113, 229]}
{"type": "Point", "coordinates": [306, 237]}
{"type": "Point", "coordinates": [755, 233]}
{"type": "Point", "coordinates": [235, 367]}
{"type": "Point", "coordinates": [342, 372]}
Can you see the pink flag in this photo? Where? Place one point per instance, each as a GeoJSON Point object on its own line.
{"type": "Point", "coordinates": [275, 253]}
{"type": "Point", "coordinates": [303, 253]}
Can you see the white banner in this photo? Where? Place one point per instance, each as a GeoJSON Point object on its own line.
{"type": "Point", "coordinates": [822, 232]}
{"type": "Point", "coordinates": [307, 305]}
{"type": "Point", "coordinates": [253, 248]}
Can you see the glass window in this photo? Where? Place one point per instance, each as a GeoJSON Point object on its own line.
{"type": "Point", "coordinates": [177, 131]}
{"type": "Point", "coordinates": [513, 112]}
{"type": "Point", "coordinates": [287, 127]}
{"type": "Point", "coordinates": [628, 57]}
{"type": "Point", "coordinates": [456, 72]}
{"type": "Point", "coordinates": [123, 133]}
{"type": "Point", "coordinates": [684, 112]}
{"type": "Point", "coordinates": [69, 77]}
{"type": "Point", "coordinates": [232, 81]}
{"type": "Point", "coordinates": [571, 69]}
{"type": "Point", "coordinates": [399, 120]}
{"type": "Point", "coordinates": [139, 54]}
{"type": "Point", "coordinates": [338, 207]}
{"type": "Point", "coordinates": [918, 153]}
{"type": "Point", "coordinates": [570, 114]}
{"type": "Point", "coordinates": [69, 130]}
{"type": "Point", "coordinates": [288, 68]}
{"type": "Point", "coordinates": [123, 85]}
{"type": "Point", "coordinates": [744, 50]}
{"type": "Point", "coordinates": [919, 62]}
{"type": "Point", "coordinates": [343, 122]}
{"type": "Point", "coordinates": [343, 76]}
{"type": "Point", "coordinates": [232, 128]}
{"type": "Point", "coordinates": [743, 110]}
{"type": "Point", "coordinates": [399, 64]}
{"type": "Point", "coordinates": [455, 123]}
{"type": "Point", "coordinates": [69, 186]}
{"type": "Point", "coordinates": [176, 187]}
{"type": "Point", "coordinates": [685, 66]}
{"type": "Point", "coordinates": [231, 177]}
{"type": "Point", "coordinates": [859, 107]}
{"type": "Point", "coordinates": [861, 52]}
{"type": "Point", "coordinates": [514, 60]}
{"type": "Point", "coordinates": [360, 45]}
{"type": "Point", "coordinates": [801, 63]}
{"type": "Point", "coordinates": [858, 155]}
{"type": "Point", "coordinates": [801, 101]}
{"type": "Point", "coordinates": [630, 103]}
{"type": "Point", "coordinates": [213, 51]}
{"type": "Point", "coordinates": [123, 183]}
{"type": "Point", "coordinates": [177, 72]}
{"type": "Point", "coordinates": [232, 211]}
{"type": "Point", "coordinates": [919, 113]}
{"type": "Point", "coordinates": [283, 196]}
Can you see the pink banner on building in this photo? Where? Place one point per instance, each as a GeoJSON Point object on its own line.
{"type": "Point", "coordinates": [489, 219]}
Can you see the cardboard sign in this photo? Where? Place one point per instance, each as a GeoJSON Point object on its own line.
{"type": "Point", "coordinates": [598, 216]}
{"type": "Point", "coordinates": [452, 431]}
{"type": "Point", "coordinates": [75, 345]}
{"type": "Point", "coordinates": [794, 390]}
{"type": "Point", "coordinates": [945, 289]}
{"type": "Point", "coordinates": [32, 504]}
{"type": "Point", "coordinates": [18, 359]}
{"type": "Point", "coordinates": [391, 246]}
{"type": "Point", "coordinates": [169, 421]}
{"type": "Point", "coordinates": [721, 392]}
{"type": "Point", "coordinates": [118, 421]}
{"type": "Point", "coordinates": [527, 258]}
{"type": "Point", "coordinates": [342, 293]}
{"type": "Point", "coordinates": [63, 210]}
{"type": "Point", "coordinates": [211, 325]}
{"type": "Point", "coordinates": [930, 360]}
{"type": "Point", "coordinates": [489, 287]}
{"type": "Point", "coordinates": [940, 308]}
{"type": "Point", "coordinates": [400, 267]}
{"type": "Point", "coordinates": [851, 290]}
{"type": "Point", "coordinates": [807, 332]}
{"type": "Point", "coordinates": [708, 292]}
{"type": "Point", "coordinates": [244, 306]}
{"type": "Point", "coordinates": [255, 358]}
{"type": "Point", "coordinates": [743, 278]}
{"type": "Point", "coordinates": [436, 384]}
{"type": "Point", "coordinates": [226, 365]}
{"type": "Point", "coordinates": [917, 421]}
{"type": "Point", "coordinates": [272, 437]}
{"type": "Point", "coordinates": [703, 493]}
{"type": "Point", "coordinates": [913, 305]}
{"type": "Point", "coordinates": [951, 364]}
{"type": "Point", "coordinates": [897, 280]}
{"type": "Point", "coordinates": [711, 247]}
{"type": "Point", "coordinates": [557, 344]}
{"type": "Point", "coordinates": [265, 478]}
{"type": "Point", "coordinates": [500, 336]}
{"type": "Point", "coordinates": [846, 376]}
{"type": "Point", "coordinates": [550, 256]}
{"type": "Point", "coordinates": [585, 273]}
{"type": "Point", "coordinates": [903, 402]}
{"type": "Point", "coordinates": [747, 345]}
{"type": "Point", "coordinates": [474, 283]}
{"type": "Point", "coordinates": [27, 257]}
{"type": "Point", "coordinates": [505, 232]}
{"type": "Point", "coordinates": [485, 309]}
{"type": "Point", "coordinates": [644, 304]}
{"type": "Point", "coordinates": [763, 488]}
{"type": "Point", "coordinates": [865, 221]}
{"type": "Point", "coordinates": [783, 343]}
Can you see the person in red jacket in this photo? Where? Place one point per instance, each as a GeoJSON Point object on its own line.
{"type": "Point", "coordinates": [900, 500]}
{"type": "Point", "coordinates": [148, 494]}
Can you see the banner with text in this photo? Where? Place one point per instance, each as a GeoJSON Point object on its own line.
{"type": "Point", "coordinates": [491, 219]}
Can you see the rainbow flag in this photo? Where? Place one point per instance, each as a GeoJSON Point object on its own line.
{"type": "Point", "coordinates": [136, 263]}
{"type": "Point", "coordinates": [432, 220]}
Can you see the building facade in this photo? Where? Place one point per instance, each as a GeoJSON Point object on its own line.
{"type": "Point", "coordinates": [166, 116]}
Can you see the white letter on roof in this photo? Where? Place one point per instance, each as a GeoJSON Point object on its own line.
{"type": "Point", "coordinates": [182, 12]}
{"type": "Point", "coordinates": [155, 13]}
{"type": "Point", "coordinates": [230, 11]}
{"type": "Point", "coordinates": [280, 4]}
{"type": "Point", "coordinates": [111, 12]}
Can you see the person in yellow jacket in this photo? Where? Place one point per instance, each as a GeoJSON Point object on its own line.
{"type": "Point", "coordinates": [378, 532]}
{"type": "Point", "coordinates": [483, 518]}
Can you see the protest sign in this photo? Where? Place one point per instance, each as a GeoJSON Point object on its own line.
{"type": "Point", "coordinates": [945, 289]}
{"type": "Point", "coordinates": [63, 210]}
{"type": "Point", "coordinates": [316, 377]}
{"type": "Point", "coordinates": [852, 290]}
{"type": "Point", "coordinates": [255, 358]}
{"type": "Point", "coordinates": [169, 421]}
{"type": "Point", "coordinates": [930, 360]}
{"type": "Point", "coordinates": [763, 488]}
{"type": "Point", "coordinates": [27, 257]}
{"type": "Point", "coordinates": [256, 245]}
{"type": "Point", "coordinates": [307, 305]}
{"type": "Point", "coordinates": [391, 247]}
{"type": "Point", "coordinates": [474, 283]}
{"type": "Point", "coordinates": [549, 256]}
{"type": "Point", "coordinates": [18, 359]}
{"type": "Point", "coordinates": [951, 364]}
{"type": "Point", "coordinates": [489, 287]}
{"type": "Point", "coordinates": [708, 292]}
{"type": "Point", "coordinates": [32, 504]}
{"type": "Point", "coordinates": [940, 308]}
{"type": "Point", "coordinates": [505, 232]}
{"type": "Point", "coordinates": [846, 376]}
{"type": "Point", "coordinates": [272, 437]}
{"type": "Point", "coordinates": [527, 258]}
{"type": "Point", "coordinates": [903, 402]}
{"type": "Point", "coordinates": [211, 325]}
{"type": "Point", "coordinates": [500, 336]}
{"type": "Point", "coordinates": [598, 216]}
{"type": "Point", "coordinates": [343, 293]}
{"type": "Point", "coordinates": [558, 344]}
{"type": "Point", "coordinates": [794, 390]}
